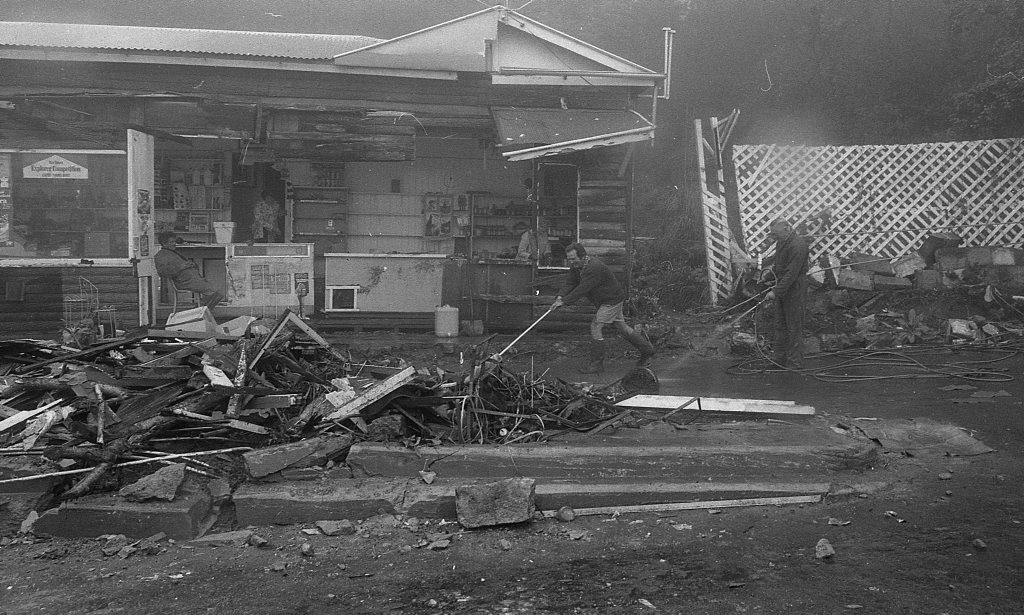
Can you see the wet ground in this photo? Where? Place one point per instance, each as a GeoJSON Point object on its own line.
{"type": "Point", "coordinates": [944, 537]}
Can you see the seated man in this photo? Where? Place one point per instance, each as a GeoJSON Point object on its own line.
{"type": "Point", "coordinates": [182, 271]}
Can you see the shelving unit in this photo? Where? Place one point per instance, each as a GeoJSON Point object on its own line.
{"type": "Point", "coordinates": [192, 194]}
{"type": "Point", "coordinates": [497, 223]}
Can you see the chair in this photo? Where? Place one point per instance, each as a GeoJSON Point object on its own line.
{"type": "Point", "coordinates": [174, 294]}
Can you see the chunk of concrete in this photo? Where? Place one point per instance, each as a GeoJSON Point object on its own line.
{"type": "Point", "coordinates": [339, 527]}
{"type": "Point", "coordinates": [869, 262]}
{"type": "Point", "coordinates": [948, 259]}
{"type": "Point", "coordinates": [928, 279]}
{"type": "Point", "coordinates": [1007, 257]}
{"type": "Point", "coordinates": [497, 503]}
{"type": "Point", "coordinates": [91, 516]}
{"type": "Point", "coordinates": [906, 266]}
{"type": "Point", "coordinates": [304, 453]}
{"type": "Point", "coordinates": [885, 282]}
{"type": "Point", "coordinates": [160, 485]}
{"type": "Point", "coordinates": [856, 280]}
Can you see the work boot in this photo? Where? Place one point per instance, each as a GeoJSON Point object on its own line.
{"type": "Point", "coordinates": [596, 363]}
{"type": "Point", "coordinates": [643, 346]}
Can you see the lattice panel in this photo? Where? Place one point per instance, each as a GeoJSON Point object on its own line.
{"type": "Point", "coordinates": [883, 199]}
{"type": "Point", "coordinates": [717, 240]}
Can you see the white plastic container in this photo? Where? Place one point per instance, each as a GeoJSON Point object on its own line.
{"type": "Point", "coordinates": [446, 321]}
{"type": "Point", "coordinates": [224, 231]}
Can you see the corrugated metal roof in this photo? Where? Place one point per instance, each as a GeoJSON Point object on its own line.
{"type": "Point", "coordinates": [180, 40]}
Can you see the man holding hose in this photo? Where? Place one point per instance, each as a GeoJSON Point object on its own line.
{"type": "Point", "coordinates": [789, 294]}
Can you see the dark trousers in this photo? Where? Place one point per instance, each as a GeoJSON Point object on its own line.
{"type": "Point", "coordinates": [789, 325]}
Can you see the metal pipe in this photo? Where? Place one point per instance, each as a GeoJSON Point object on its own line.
{"type": "Point", "coordinates": [669, 39]}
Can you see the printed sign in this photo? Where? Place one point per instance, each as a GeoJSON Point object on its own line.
{"type": "Point", "coordinates": [55, 167]}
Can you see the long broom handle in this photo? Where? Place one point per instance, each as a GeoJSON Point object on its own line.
{"type": "Point", "coordinates": [542, 316]}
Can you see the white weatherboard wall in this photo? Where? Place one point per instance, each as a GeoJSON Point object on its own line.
{"type": "Point", "coordinates": [389, 282]}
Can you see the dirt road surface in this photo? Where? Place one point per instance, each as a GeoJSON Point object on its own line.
{"type": "Point", "coordinates": [944, 537]}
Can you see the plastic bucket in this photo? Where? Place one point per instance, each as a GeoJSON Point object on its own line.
{"type": "Point", "coordinates": [446, 321]}
{"type": "Point", "coordinates": [224, 231]}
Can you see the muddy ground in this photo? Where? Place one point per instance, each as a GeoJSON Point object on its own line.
{"type": "Point", "coordinates": [945, 535]}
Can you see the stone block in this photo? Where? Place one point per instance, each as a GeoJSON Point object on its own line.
{"type": "Point", "coordinates": [304, 453]}
{"type": "Point", "coordinates": [928, 279]}
{"type": "Point", "coordinates": [1011, 276]}
{"type": "Point", "coordinates": [948, 259]}
{"type": "Point", "coordinates": [339, 527]}
{"type": "Point", "coordinates": [856, 280]}
{"type": "Point", "coordinates": [859, 261]}
{"type": "Point", "coordinates": [979, 256]}
{"type": "Point", "coordinates": [92, 516]}
{"type": "Point", "coordinates": [498, 503]}
{"type": "Point", "coordinates": [906, 266]}
{"type": "Point", "coordinates": [160, 485]}
{"type": "Point", "coordinates": [1007, 257]}
{"type": "Point", "coordinates": [885, 282]}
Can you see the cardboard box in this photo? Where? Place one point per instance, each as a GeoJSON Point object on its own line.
{"type": "Point", "coordinates": [196, 319]}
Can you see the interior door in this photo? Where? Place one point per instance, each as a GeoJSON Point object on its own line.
{"type": "Point", "coordinates": [141, 221]}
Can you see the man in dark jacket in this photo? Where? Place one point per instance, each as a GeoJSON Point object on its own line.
{"type": "Point", "coordinates": [790, 294]}
{"type": "Point", "coordinates": [590, 278]}
{"type": "Point", "coordinates": [183, 272]}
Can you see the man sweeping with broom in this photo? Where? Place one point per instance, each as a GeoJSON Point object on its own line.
{"type": "Point", "coordinates": [590, 278]}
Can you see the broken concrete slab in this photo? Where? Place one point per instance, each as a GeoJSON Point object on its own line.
{"type": "Point", "coordinates": [363, 499]}
{"type": "Point", "coordinates": [715, 451]}
{"type": "Point", "coordinates": [304, 453]}
{"type": "Point", "coordinates": [856, 280]}
{"type": "Point", "coordinates": [906, 266]}
{"type": "Point", "coordinates": [95, 515]}
{"type": "Point", "coordinates": [928, 279]}
{"type": "Point", "coordinates": [860, 261]}
{"type": "Point", "coordinates": [495, 503]}
{"type": "Point", "coordinates": [160, 485]}
{"type": "Point", "coordinates": [924, 436]}
{"type": "Point", "coordinates": [885, 282]}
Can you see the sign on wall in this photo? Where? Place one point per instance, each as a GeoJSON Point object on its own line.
{"type": "Point", "coordinates": [55, 167]}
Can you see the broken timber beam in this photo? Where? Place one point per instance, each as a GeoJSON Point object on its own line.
{"type": "Point", "coordinates": [372, 394]}
{"type": "Point", "coordinates": [770, 407]}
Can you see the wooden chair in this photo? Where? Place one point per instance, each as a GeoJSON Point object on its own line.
{"type": "Point", "coordinates": [173, 290]}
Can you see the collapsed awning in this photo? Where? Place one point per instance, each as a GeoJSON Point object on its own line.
{"type": "Point", "coordinates": [533, 133]}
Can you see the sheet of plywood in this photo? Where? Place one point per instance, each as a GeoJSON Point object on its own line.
{"type": "Point", "coordinates": [717, 404]}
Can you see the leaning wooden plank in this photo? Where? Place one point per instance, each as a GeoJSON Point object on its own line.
{"type": "Point", "coordinates": [375, 392]}
{"type": "Point", "coordinates": [642, 508]}
{"type": "Point", "coordinates": [245, 426]}
{"type": "Point", "coordinates": [26, 415]}
{"type": "Point", "coordinates": [719, 404]}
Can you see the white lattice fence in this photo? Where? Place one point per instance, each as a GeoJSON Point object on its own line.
{"type": "Point", "coordinates": [884, 199]}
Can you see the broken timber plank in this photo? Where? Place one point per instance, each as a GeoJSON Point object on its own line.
{"type": "Point", "coordinates": [642, 508]}
{"type": "Point", "coordinates": [372, 394]}
{"type": "Point", "coordinates": [26, 415]}
{"type": "Point", "coordinates": [718, 404]}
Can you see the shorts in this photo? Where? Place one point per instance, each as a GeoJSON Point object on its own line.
{"type": "Point", "coordinates": [607, 314]}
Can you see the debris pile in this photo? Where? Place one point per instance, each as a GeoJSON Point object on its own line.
{"type": "Point", "coordinates": [162, 398]}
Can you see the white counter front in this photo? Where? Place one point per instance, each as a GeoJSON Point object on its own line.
{"type": "Point", "coordinates": [383, 282]}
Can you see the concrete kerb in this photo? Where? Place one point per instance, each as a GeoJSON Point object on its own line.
{"type": "Point", "coordinates": [356, 499]}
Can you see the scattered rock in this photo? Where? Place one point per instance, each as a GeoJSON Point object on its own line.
{"type": "Point", "coordinates": [30, 520]}
{"type": "Point", "coordinates": [310, 531]}
{"type": "Point", "coordinates": [839, 522]}
{"type": "Point", "coordinates": [506, 501]}
{"type": "Point", "coordinates": [979, 544]}
{"type": "Point", "coordinates": [341, 527]}
{"type": "Point", "coordinates": [565, 513]}
{"type": "Point", "coordinates": [113, 545]}
{"type": "Point", "coordinates": [428, 477]}
{"type": "Point", "coordinates": [578, 534]}
{"type": "Point", "coordinates": [945, 476]}
{"type": "Point", "coordinates": [160, 485]}
{"type": "Point", "coordinates": [505, 544]}
{"type": "Point", "coordinates": [278, 566]}
{"type": "Point", "coordinates": [823, 549]}
{"type": "Point", "coordinates": [307, 550]}
{"type": "Point", "coordinates": [224, 539]}
{"type": "Point", "coordinates": [257, 541]}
